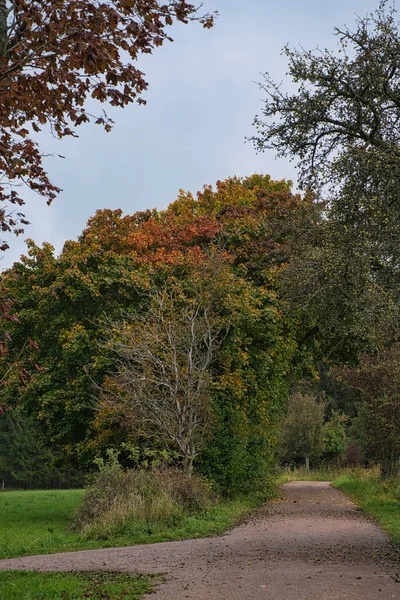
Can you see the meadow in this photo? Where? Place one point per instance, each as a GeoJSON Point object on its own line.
{"type": "Point", "coordinates": [39, 522]}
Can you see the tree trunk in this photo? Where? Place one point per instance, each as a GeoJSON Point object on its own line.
{"type": "Point", "coordinates": [307, 459]}
{"type": "Point", "coordinates": [3, 28]}
{"type": "Point", "coordinates": [188, 466]}
{"type": "Point", "coordinates": [390, 468]}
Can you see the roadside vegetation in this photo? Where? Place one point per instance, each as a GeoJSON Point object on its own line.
{"type": "Point", "coordinates": [98, 585]}
{"type": "Point", "coordinates": [39, 522]}
{"type": "Point", "coordinates": [376, 497]}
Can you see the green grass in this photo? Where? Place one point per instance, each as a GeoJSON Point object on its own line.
{"type": "Point", "coordinates": [37, 522]}
{"type": "Point", "coordinates": [377, 498]}
{"type": "Point", "coordinates": [26, 585]}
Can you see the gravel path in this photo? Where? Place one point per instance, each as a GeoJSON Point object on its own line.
{"type": "Point", "coordinates": [312, 544]}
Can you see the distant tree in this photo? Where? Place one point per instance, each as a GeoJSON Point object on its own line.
{"type": "Point", "coordinates": [23, 458]}
{"type": "Point", "coordinates": [334, 435]}
{"type": "Point", "coordinates": [54, 56]}
{"type": "Point", "coordinates": [377, 378]}
{"type": "Point", "coordinates": [302, 433]}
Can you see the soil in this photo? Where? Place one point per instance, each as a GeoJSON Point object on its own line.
{"type": "Point", "coordinates": [312, 544]}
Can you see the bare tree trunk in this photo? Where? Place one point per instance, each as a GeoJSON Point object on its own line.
{"type": "Point", "coordinates": [3, 28]}
{"type": "Point", "coordinates": [307, 458]}
{"type": "Point", "coordinates": [188, 466]}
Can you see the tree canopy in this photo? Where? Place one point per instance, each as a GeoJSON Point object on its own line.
{"type": "Point", "coordinates": [54, 56]}
{"type": "Point", "coordinates": [115, 273]}
{"type": "Point", "coordinates": [341, 124]}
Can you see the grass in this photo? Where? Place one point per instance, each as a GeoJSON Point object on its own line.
{"type": "Point", "coordinates": [26, 585]}
{"type": "Point", "coordinates": [37, 522]}
{"type": "Point", "coordinates": [377, 498]}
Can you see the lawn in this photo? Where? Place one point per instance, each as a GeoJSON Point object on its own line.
{"type": "Point", "coordinates": [26, 585]}
{"type": "Point", "coordinates": [38, 522]}
{"type": "Point", "coordinates": [379, 499]}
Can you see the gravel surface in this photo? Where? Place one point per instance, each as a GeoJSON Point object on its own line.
{"type": "Point", "coordinates": [312, 544]}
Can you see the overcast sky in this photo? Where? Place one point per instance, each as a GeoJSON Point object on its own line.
{"type": "Point", "coordinates": [201, 102]}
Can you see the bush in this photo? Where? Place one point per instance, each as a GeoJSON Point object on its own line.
{"type": "Point", "coordinates": [116, 500]}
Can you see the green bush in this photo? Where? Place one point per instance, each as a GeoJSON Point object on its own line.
{"type": "Point", "coordinates": [116, 500]}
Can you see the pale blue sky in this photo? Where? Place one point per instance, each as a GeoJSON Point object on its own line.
{"type": "Point", "coordinates": [201, 103]}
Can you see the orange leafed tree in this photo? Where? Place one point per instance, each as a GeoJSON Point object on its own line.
{"type": "Point", "coordinates": [54, 56]}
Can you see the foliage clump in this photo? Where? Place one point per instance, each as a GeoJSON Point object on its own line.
{"type": "Point", "coordinates": [118, 500]}
{"type": "Point", "coordinates": [377, 380]}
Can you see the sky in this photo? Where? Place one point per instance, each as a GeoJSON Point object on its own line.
{"type": "Point", "coordinates": [201, 102]}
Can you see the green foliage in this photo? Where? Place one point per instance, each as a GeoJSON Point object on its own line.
{"type": "Point", "coordinates": [377, 379]}
{"type": "Point", "coordinates": [302, 428]}
{"type": "Point", "coordinates": [335, 436]}
{"type": "Point", "coordinates": [341, 124]}
{"type": "Point", "coordinates": [23, 458]}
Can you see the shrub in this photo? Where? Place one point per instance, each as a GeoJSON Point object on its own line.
{"type": "Point", "coordinates": [117, 500]}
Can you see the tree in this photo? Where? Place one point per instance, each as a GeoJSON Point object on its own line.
{"type": "Point", "coordinates": [377, 379]}
{"type": "Point", "coordinates": [164, 357]}
{"type": "Point", "coordinates": [346, 105]}
{"type": "Point", "coordinates": [302, 428]}
{"type": "Point", "coordinates": [23, 458]}
{"type": "Point", "coordinates": [334, 435]}
{"type": "Point", "coordinates": [342, 124]}
{"type": "Point", "coordinates": [54, 56]}
{"type": "Point", "coordinates": [113, 268]}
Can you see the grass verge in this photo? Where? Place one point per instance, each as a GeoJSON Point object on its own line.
{"type": "Point", "coordinates": [37, 522]}
{"type": "Point", "coordinates": [377, 498]}
{"type": "Point", "coordinates": [27, 585]}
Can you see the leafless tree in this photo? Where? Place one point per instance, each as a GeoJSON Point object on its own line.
{"type": "Point", "coordinates": [164, 357]}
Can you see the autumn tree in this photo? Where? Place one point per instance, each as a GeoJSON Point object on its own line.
{"type": "Point", "coordinates": [56, 55]}
{"type": "Point", "coordinates": [113, 269]}
{"type": "Point", "coordinates": [302, 428]}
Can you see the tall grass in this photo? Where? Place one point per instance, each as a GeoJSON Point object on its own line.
{"type": "Point", "coordinates": [119, 501]}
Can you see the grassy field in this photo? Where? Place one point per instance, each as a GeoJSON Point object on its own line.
{"type": "Point", "coordinates": [25, 585]}
{"type": "Point", "coordinates": [37, 522]}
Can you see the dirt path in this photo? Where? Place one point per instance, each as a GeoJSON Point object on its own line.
{"type": "Point", "coordinates": [311, 545]}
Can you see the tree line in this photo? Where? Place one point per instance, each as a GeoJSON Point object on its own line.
{"type": "Point", "coordinates": [193, 332]}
